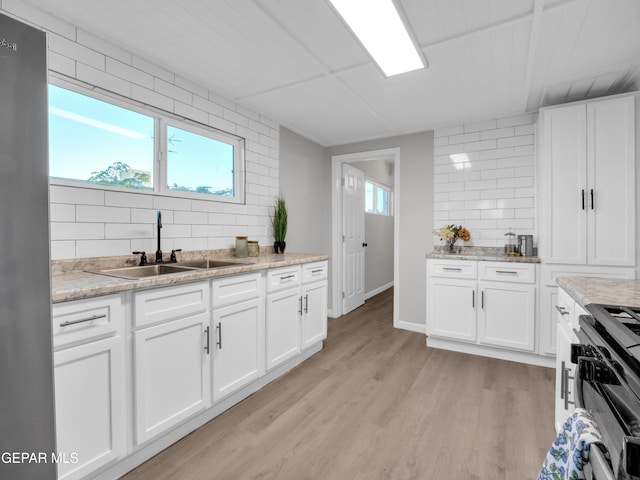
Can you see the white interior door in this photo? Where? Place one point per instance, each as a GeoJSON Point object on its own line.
{"type": "Point", "coordinates": [353, 243]}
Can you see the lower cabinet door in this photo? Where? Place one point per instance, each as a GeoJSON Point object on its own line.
{"type": "Point", "coordinates": [284, 310]}
{"type": "Point", "coordinates": [238, 346]}
{"type": "Point", "coordinates": [507, 315]}
{"type": "Point", "coordinates": [90, 407]}
{"type": "Point", "coordinates": [172, 374]}
{"type": "Point", "coordinates": [451, 308]}
{"type": "Point", "coordinates": [314, 316]}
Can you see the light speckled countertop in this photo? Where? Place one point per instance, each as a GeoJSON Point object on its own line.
{"type": "Point", "coordinates": [487, 254]}
{"type": "Point", "coordinates": [72, 280]}
{"type": "Point", "coordinates": [608, 291]}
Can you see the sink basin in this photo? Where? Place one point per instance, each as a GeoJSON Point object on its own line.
{"type": "Point", "coordinates": [207, 263]}
{"type": "Point", "coordinates": [145, 271]}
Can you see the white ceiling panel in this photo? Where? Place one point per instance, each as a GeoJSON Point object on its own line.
{"type": "Point", "coordinates": [323, 110]}
{"type": "Point", "coordinates": [296, 62]}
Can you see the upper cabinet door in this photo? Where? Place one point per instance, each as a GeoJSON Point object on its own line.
{"type": "Point", "coordinates": [611, 174]}
{"type": "Point", "coordinates": [565, 183]}
{"type": "Point", "coordinates": [587, 183]}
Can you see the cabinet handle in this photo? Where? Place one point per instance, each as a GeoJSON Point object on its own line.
{"type": "Point", "coordinates": [506, 272]}
{"type": "Point", "coordinates": [300, 309]}
{"type": "Point", "coordinates": [451, 269]}
{"type": "Point", "coordinates": [593, 205]}
{"type": "Point", "coordinates": [318, 270]}
{"type": "Point", "coordinates": [82, 320]}
{"type": "Point", "coordinates": [561, 310]}
{"type": "Point", "coordinates": [306, 304]}
{"type": "Point", "coordinates": [286, 277]}
{"type": "Point", "coordinates": [565, 378]}
{"type": "Point", "coordinates": [219, 328]}
{"type": "Point", "coordinates": [482, 299]}
{"type": "Point", "coordinates": [582, 198]}
{"type": "Point", "coordinates": [562, 369]}
{"type": "Point", "coordinates": [206, 345]}
{"type": "Point", "coordinates": [473, 299]}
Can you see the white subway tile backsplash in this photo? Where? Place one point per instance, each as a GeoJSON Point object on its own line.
{"type": "Point", "coordinates": [445, 132]}
{"type": "Point", "coordinates": [99, 214]}
{"type": "Point", "coordinates": [73, 195]}
{"type": "Point", "coordinates": [61, 64]}
{"type": "Point", "coordinates": [480, 126]}
{"type": "Point", "coordinates": [170, 90]}
{"type": "Point", "coordinates": [74, 231]}
{"type": "Point", "coordinates": [149, 97]}
{"type": "Point", "coordinates": [127, 72]}
{"type": "Point", "coordinates": [103, 80]}
{"type": "Point", "coordinates": [80, 53]}
{"type": "Point", "coordinates": [92, 248]}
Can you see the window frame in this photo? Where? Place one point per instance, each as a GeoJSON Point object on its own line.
{"type": "Point", "coordinates": [379, 186]}
{"type": "Point", "coordinates": [162, 119]}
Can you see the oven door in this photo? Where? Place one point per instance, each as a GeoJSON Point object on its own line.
{"type": "Point", "coordinates": [601, 389]}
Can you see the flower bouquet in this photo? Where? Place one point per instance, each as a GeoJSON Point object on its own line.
{"type": "Point", "coordinates": [451, 233]}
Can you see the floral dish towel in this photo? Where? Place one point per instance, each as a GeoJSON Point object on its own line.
{"type": "Point", "coordinates": [570, 450]}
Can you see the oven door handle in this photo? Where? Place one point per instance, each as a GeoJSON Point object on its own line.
{"type": "Point", "coordinates": [599, 464]}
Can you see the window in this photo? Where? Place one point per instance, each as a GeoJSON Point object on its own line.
{"type": "Point", "coordinates": [98, 142]}
{"type": "Point", "coordinates": [377, 198]}
{"type": "Point", "coordinates": [106, 143]}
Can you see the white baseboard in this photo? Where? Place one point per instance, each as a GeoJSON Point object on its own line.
{"type": "Point", "coordinates": [474, 349]}
{"type": "Point", "coordinates": [412, 327]}
{"type": "Point", "coordinates": [378, 290]}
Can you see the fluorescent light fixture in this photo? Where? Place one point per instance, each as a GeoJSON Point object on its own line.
{"type": "Point", "coordinates": [379, 28]}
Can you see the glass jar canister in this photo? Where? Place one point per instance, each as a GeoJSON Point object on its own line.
{"type": "Point", "coordinates": [254, 248]}
{"type": "Point", "coordinates": [241, 247]}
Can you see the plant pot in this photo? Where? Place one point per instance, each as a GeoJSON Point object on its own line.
{"type": "Point", "coordinates": [278, 247]}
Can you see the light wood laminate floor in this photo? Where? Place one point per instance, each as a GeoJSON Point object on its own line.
{"type": "Point", "coordinates": [376, 403]}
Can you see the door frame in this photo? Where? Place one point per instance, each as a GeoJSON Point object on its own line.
{"type": "Point", "coordinates": [336, 224]}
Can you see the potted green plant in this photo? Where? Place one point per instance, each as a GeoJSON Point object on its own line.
{"type": "Point", "coordinates": [279, 224]}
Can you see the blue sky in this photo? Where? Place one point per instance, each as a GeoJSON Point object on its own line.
{"type": "Point", "coordinates": [88, 135]}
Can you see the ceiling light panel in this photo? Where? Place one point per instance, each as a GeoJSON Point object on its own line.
{"type": "Point", "coordinates": [379, 28]}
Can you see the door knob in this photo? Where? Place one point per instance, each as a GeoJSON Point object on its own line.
{"type": "Point", "coordinates": [364, 244]}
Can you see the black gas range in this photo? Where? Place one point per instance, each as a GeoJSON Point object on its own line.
{"type": "Point", "coordinates": [608, 385]}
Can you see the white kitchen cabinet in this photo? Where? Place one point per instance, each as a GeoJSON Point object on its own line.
{"type": "Point", "coordinates": [489, 304]}
{"type": "Point", "coordinates": [506, 317]}
{"type": "Point", "coordinates": [314, 313]}
{"type": "Point", "coordinates": [89, 384]}
{"type": "Point", "coordinates": [587, 182]}
{"type": "Point", "coordinates": [237, 333]}
{"type": "Point", "coordinates": [451, 308]}
{"type": "Point", "coordinates": [238, 346]}
{"type": "Point", "coordinates": [284, 309]}
{"type": "Point", "coordinates": [296, 310]}
{"type": "Point", "coordinates": [172, 364]}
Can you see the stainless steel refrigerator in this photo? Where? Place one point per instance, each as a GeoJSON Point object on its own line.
{"type": "Point", "coordinates": [27, 423]}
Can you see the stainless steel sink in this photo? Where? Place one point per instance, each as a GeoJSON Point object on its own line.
{"type": "Point", "coordinates": [207, 263]}
{"type": "Point", "coordinates": [146, 271]}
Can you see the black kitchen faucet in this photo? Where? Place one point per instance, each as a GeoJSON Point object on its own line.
{"type": "Point", "coordinates": [158, 251]}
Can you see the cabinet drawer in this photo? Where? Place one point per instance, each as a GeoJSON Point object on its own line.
{"type": "Point", "coordinates": [312, 272]}
{"type": "Point", "coordinates": [235, 289]}
{"type": "Point", "coordinates": [82, 320]}
{"type": "Point", "coordinates": [284, 277]}
{"type": "Point", "coordinates": [168, 303]}
{"type": "Point", "coordinates": [452, 268]}
{"type": "Point", "coordinates": [507, 272]}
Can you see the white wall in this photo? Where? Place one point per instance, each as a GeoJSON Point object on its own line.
{"type": "Point", "coordinates": [89, 222]}
{"type": "Point", "coordinates": [378, 232]}
{"type": "Point", "coordinates": [495, 189]}
{"type": "Point", "coordinates": [305, 183]}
